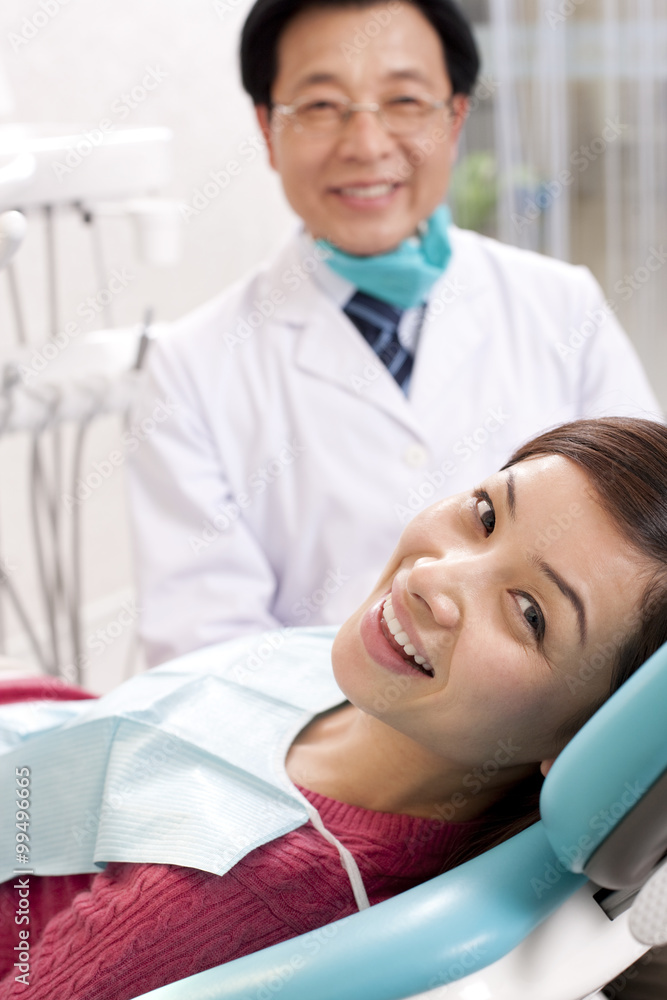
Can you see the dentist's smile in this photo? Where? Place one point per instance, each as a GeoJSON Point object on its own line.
{"type": "Point", "coordinates": [374, 195]}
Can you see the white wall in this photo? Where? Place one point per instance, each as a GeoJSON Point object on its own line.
{"type": "Point", "coordinates": [76, 68]}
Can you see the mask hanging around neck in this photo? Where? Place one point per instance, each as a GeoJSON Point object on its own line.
{"type": "Point", "coordinates": [404, 276]}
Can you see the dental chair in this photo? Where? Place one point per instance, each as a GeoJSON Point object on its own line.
{"type": "Point", "coordinates": [554, 913]}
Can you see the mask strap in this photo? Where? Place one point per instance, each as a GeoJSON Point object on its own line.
{"type": "Point", "coordinates": [346, 859]}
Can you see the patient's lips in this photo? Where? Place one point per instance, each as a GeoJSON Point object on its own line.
{"type": "Point", "coordinates": [400, 639]}
{"type": "Point", "coordinates": [383, 648]}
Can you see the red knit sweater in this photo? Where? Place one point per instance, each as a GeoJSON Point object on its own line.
{"type": "Point", "coordinates": [136, 927]}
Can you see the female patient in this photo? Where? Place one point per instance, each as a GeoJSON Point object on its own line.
{"type": "Point", "coordinates": [472, 663]}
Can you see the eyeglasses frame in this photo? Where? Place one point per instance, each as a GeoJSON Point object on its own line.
{"type": "Point", "coordinates": [289, 110]}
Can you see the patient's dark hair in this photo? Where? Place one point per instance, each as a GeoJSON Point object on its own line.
{"type": "Point", "coordinates": [268, 19]}
{"type": "Point", "coordinates": [625, 461]}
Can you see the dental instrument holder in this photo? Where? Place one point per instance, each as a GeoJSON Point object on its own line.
{"type": "Point", "coordinates": [74, 391]}
{"type": "Point", "coordinates": [13, 226]}
{"type": "Point", "coordinates": [46, 169]}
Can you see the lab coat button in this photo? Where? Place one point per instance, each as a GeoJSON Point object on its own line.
{"type": "Point", "coordinates": [416, 456]}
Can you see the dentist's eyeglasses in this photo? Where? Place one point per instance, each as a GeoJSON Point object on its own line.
{"type": "Point", "coordinates": [401, 115]}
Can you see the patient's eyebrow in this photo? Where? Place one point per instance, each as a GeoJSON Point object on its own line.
{"type": "Point", "coordinates": [565, 588]}
{"type": "Point", "coordinates": [511, 496]}
{"type": "Point", "coordinates": [569, 592]}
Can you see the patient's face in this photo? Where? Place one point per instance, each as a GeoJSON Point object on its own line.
{"type": "Point", "coordinates": [515, 597]}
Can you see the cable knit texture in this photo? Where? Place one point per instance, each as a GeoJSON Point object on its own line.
{"type": "Point", "coordinates": [135, 927]}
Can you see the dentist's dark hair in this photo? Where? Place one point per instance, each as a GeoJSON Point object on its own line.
{"type": "Point", "coordinates": [268, 19]}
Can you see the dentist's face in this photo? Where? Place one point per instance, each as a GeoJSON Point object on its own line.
{"type": "Point", "coordinates": [491, 604]}
{"type": "Point", "coordinates": [363, 188]}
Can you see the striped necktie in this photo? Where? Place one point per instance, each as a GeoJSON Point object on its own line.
{"type": "Point", "coordinates": [377, 322]}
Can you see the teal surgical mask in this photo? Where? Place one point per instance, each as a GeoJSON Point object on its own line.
{"type": "Point", "coordinates": [404, 277]}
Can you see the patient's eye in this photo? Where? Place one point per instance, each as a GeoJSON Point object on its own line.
{"type": "Point", "coordinates": [532, 612]}
{"type": "Point", "coordinates": [485, 511]}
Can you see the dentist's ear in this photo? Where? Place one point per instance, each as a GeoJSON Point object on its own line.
{"type": "Point", "coordinates": [460, 110]}
{"type": "Point", "coordinates": [546, 766]}
{"type": "Point", "coordinates": [263, 116]}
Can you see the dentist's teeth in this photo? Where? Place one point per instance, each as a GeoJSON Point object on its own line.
{"type": "Point", "coordinates": [375, 191]}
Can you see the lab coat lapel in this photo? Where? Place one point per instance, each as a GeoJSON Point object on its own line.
{"type": "Point", "coordinates": [331, 348]}
{"type": "Point", "coordinates": [453, 332]}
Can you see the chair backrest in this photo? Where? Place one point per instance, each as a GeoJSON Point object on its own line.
{"type": "Point", "coordinates": [474, 915]}
{"type": "Point", "coordinates": [604, 802]}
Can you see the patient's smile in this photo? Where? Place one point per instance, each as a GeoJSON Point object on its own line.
{"type": "Point", "coordinates": [399, 638]}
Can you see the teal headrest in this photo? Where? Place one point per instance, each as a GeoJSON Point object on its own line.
{"type": "Point", "coordinates": [617, 759]}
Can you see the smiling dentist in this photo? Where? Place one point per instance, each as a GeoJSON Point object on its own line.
{"type": "Point", "coordinates": [383, 360]}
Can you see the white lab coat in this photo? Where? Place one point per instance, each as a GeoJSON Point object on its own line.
{"type": "Point", "coordinates": [281, 459]}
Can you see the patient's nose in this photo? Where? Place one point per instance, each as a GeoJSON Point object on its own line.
{"type": "Point", "coordinates": [445, 610]}
{"type": "Point", "coordinates": [429, 584]}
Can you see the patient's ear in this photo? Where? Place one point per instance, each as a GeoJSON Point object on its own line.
{"type": "Point", "coordinates": [546, 766]}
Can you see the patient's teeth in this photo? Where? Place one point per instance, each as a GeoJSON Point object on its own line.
{"type": "Point", "coordinates": [401, 637]}
{"type": "Point", "coordinates": [391, 620]}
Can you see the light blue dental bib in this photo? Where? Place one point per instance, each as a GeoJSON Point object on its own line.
{"type": "Point", "coordinates": [181, 765]}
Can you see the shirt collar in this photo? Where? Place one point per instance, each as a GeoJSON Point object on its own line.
{"type": "Point", "coordinates": [334, 286]}
{"type": "Point", "coordinates": [339, 290]}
